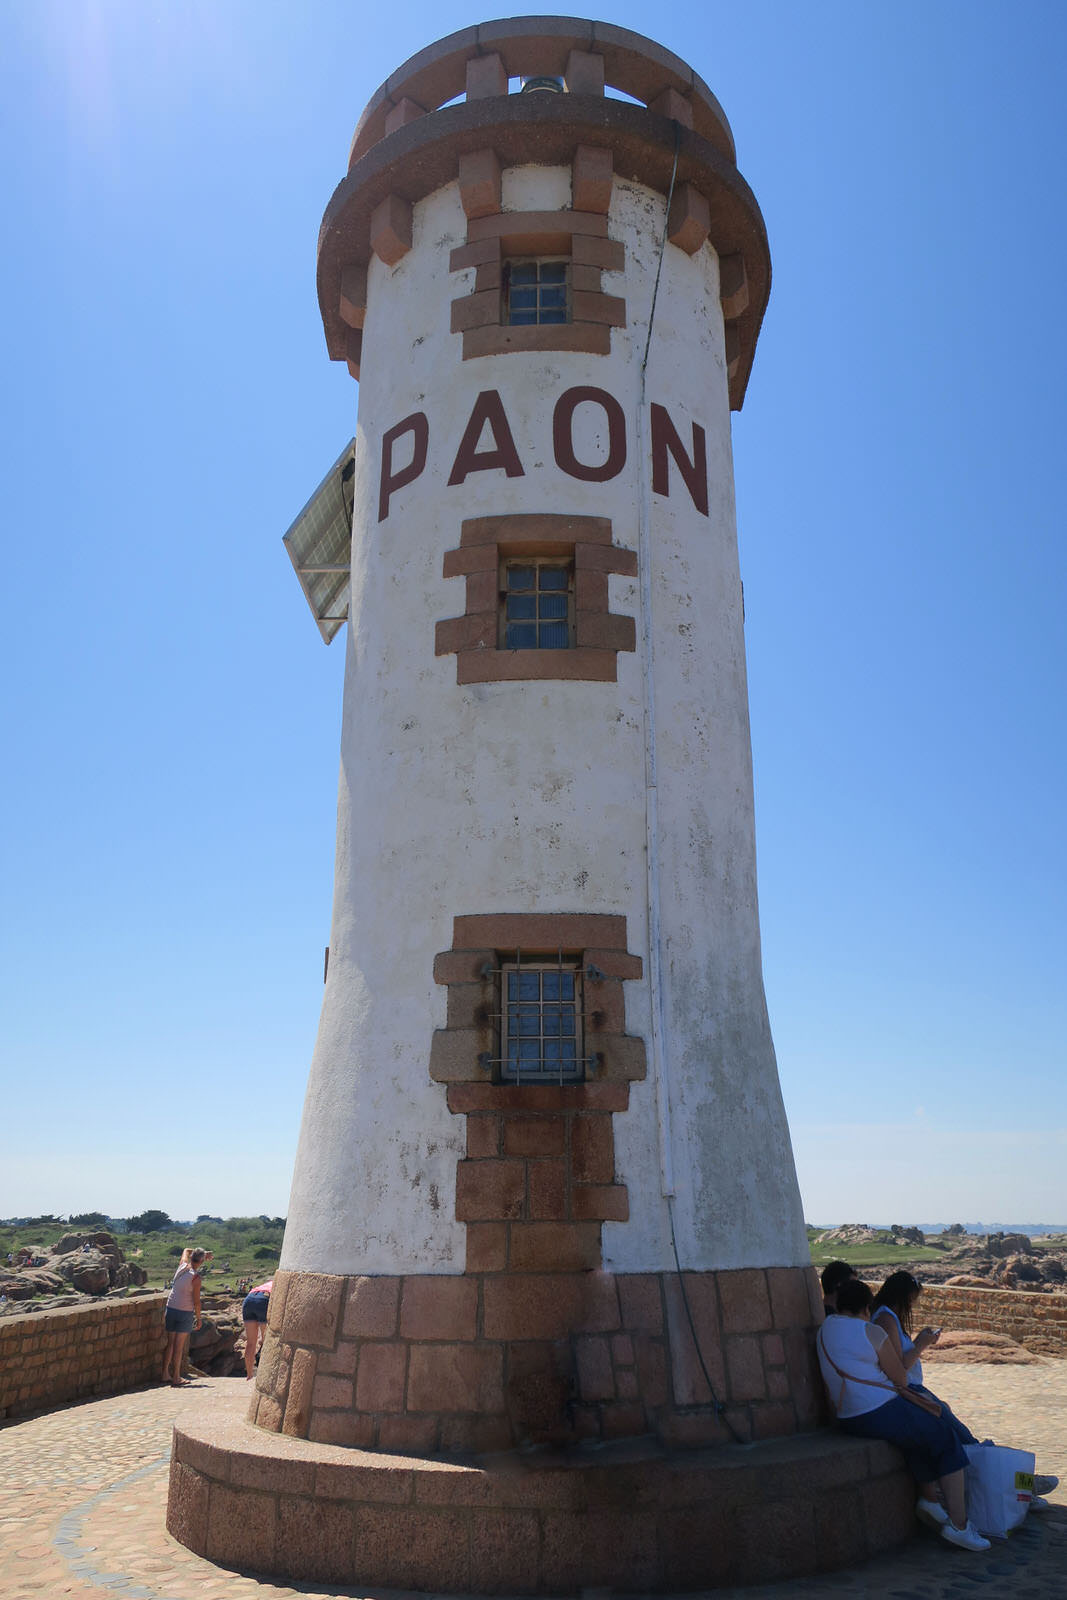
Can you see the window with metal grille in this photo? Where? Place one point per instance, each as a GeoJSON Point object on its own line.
{"type": "Point", "coordinates": [536, 292]}
{"type": "Point", "coordinates": [541, 1021]}
{"type": "Point", "coordinates": [537, 605]}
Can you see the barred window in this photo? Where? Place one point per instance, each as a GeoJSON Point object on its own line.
{"type": "Point", "coordinates": [536, 292]}
{"type": "Point", "coordinates": [541, 1021]}
{"type": "Point", "coordinates": [537, 605]}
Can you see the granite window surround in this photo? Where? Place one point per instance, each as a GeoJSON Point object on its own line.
{"type": "Point", "coordinates": [466, 1050]}
{"type": "Point", "coordinates": [577, 237]}
{"type": "Point", "coordinates": [486, 545]}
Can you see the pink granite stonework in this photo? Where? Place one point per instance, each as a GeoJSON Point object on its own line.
{"type": "Point", "coordinates": [490, 1361]}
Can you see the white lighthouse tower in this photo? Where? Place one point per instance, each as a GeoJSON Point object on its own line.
{"type": "Point", "coordinates": [544, 1194]}
{"type": "Point", "coordinates": [544, 1040]}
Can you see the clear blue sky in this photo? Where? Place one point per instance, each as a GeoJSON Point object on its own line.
{"type": "Point", "coordinates": [172, 718]}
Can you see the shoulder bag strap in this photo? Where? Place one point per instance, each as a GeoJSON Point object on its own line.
{"type": "Point", "coordinates": [907, 1393]}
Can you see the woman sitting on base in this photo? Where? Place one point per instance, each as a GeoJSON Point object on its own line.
{"type": "Point", "coordinates": [868, 1389]}
{"type": "Point", "coordinates": [833, 1275]}
{"type": "Point", "coordinates": [182, 1314]}
{"type": "Point", "coordinates": [891, 1311]}
{"type": "Point", "coordinates": [893, 1307]}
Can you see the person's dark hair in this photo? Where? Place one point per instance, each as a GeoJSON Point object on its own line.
{"type": "Point", "coordinates": [833, 1275]}
{"type": "Point", "coordinates": [854, 1295]}
{"type": "Point", "coordinates": [899, 1292]}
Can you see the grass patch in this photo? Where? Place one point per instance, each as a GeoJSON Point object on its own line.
{"type": "Point", "coordinates": [874, 1255]}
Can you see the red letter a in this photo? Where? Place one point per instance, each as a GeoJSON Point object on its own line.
{"type": "Point", "coordinates": [487, 408]}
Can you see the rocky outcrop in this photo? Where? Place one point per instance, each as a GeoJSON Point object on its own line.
{"type": "Point", "coordinates": [87, 1270]}
{"type": "Point", "coordinates": [29, 1282]}
{"type": "Point", "coordinates": [973, 1344]}
{"type": "Point", "coordinates": [217, 1346]}
{"type": "Point", "coordinates": [1008, 1244]}
{"type": "Point", "coordinates": [104, 1242]}
{"type": "Point", "coordinates": [1006, 1261]}
{"type": "Point", "coordinates": [91, 1263]}
{"type": "Point", "coordinates": [849, 1233]}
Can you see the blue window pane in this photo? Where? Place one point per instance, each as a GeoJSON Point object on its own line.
{"type": "Point", "coordinates": [528, 1020]}
{"type": "Point", "coordinates": [550, 1020]}
{"type": "Point", "coordinates": [523, 299]}
{"type": "Point", "coordinates": [553, 316]}
{"type": "Point", "coordinates": [522, 319]}
{"type": "Point", "coordinates": [513, 986]}
{"type": "Point", "coordinates": [513, 1020]}
{"type": "Point", "coordinates": [553, 605]}
{"type": "Point", "coordinates": [521, 608]}
{"type": "Point", "coordinates": [566, 1021]}
{"type": "Point", "coordinates": [553, 272]}
{"type": "Point", "coordinates": [529, 986]}
{"type": "Point", "coordinates": [520, 636]}
{"type": "Point", "coordinates": [553, 577]}
{"type": "Point", "coordinates": [529, 1051]}
{"type": "Point", "coordinates": [551, 1053]}
{"type": "Point", "coordinates": [566, 985]}
{"type": "Point", "coordinates": [552, 636]}
{"type": "Point", "coordinates": [550, 985]}
{"type": "Point", "coordinates": [513, 1053]}
{"type": "Point", "coordinates": [524, 272]}
{"type": "Point", "coordinates": [520, 577]}
{"type": "Point", "coordinates": [554, 295]}
{"type": "Point", "coordinates": [566, 1051]}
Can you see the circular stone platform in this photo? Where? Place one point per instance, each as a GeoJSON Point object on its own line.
{"type": "Point", "coordinates": [629, 1516]}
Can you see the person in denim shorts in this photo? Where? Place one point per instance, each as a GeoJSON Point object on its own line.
{"type": "Point", "coordinates": [182, 1315]}
{"type": "Point", "coordinates": [254, 1317]}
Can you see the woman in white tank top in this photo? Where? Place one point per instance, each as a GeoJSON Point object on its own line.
{"type": "Point", "coordinates": [182, 1314]}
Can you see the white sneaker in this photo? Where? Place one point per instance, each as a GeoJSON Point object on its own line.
{"type": "Point", "coordinates": [932, 1512]}
{"type": "Point", "coordinates": [1044, 1483]}
{"type": "Point", "coordinates": [966, 1538]}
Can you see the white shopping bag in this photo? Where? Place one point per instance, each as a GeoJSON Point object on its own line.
{"type": "Point", "coordinates": [1000, 1486]}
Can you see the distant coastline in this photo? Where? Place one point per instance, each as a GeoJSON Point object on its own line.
{"type": "Point", "coordinates": [1031, 1228]}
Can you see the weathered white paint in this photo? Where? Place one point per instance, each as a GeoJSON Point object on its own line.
{"type": "Point", "coordinates": [530, 797]}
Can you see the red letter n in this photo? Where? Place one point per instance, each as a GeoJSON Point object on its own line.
{"type": "Point", "coordinates": [695, 473]}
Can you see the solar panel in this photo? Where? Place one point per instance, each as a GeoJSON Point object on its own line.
{"type": "Point", "coordinates": [319, 543]}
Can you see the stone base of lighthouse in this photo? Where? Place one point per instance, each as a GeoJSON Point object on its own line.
{"type": "Point", "coordinates": [535, 1433]}
{"type": "Point", "coordinates": [630, 1516]}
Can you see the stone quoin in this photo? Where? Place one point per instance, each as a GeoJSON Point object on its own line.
{"type": "Point", "coordinates": [545, 1237]}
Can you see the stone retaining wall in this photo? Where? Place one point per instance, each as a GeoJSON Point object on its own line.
{"type": "Point", "coordinates": [1039, 1321]}
{"type": "Point", "coordinates": [49, 1357]}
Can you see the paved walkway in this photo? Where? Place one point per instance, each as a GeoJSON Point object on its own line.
{"type": "Point", "coordinates": [83, 1492]}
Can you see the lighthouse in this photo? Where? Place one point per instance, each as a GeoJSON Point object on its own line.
{"type": "Point", "coordinates": [544, 1202]}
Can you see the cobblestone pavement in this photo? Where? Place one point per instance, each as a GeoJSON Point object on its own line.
{"type": "Point", "coordinates": [83, 1492]}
